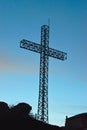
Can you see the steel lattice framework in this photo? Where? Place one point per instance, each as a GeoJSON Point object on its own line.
{"type": "Point", "coordinates": [45, 52]}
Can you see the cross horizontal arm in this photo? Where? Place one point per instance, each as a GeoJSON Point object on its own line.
{"type": "Point", "coordinates": [37, 48]}
{"type": "Point", "coordinates": [57, 54]}
{"type": "Point", "coordinates": [30, 46]}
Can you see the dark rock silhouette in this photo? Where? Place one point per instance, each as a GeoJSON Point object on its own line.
{"type": "Point", "coordinates": [76, 122]}
{"type": "Point", "coordinates": [17, 118]}
{"type": "Point", "coordinates": [21, 109]}
{"type": "Point", "coordinates": [4, 109]}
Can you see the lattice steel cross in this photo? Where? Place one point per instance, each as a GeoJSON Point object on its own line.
{"type": "Point", "coordinates": [45, 52]}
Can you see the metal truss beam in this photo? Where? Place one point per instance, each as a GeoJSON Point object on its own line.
{"type": "Point", "coordinates": [37, 48]}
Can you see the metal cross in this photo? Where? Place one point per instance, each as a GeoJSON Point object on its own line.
{"type": "Point", "coordinates": [45, 52]}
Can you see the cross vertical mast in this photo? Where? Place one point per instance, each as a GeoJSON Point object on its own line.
{"type": "Point", "coordinates": [43, 80]}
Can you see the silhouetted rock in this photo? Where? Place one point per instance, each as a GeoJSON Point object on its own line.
{"type": "Point", "coordinates": [17, 118]}
{"type": "Point", "coordinates": [21, 109]}
{"type": "Point", "coordinates": [76, 122]}
{"type": "Point", "coordinates": [4, 109]}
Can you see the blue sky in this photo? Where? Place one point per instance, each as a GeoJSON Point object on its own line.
{"type": "Point", "coordinates": [19, 68]}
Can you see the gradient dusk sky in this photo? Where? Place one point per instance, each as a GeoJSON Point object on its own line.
{"type": "Point", "coordinates": [19, 68]}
